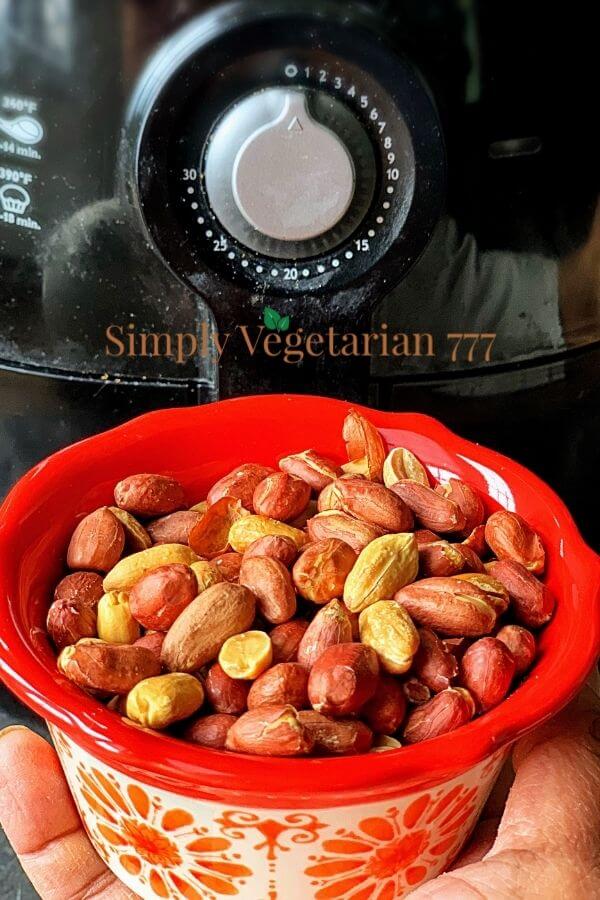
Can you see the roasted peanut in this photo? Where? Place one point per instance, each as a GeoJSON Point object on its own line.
{"type": "Point", "coordinates": [440, 559]}
{"type": "Point", "coordinates": [206, 573]}
{"type": "Point", "coordinates": [449, 605]}
{"type": "Point", "coordinates": [387, 628]}
{"type": "Point", "coordinates": [174, 528]}
{"type": "Point", "coordinates": [337, 525]}
{"type": "Point", "coordinates": [130, 569]}
{"type": "Point", "coordinates": [385, 566]}
{"type": "Point", "coordinates": [495, 591]}
{"type": "Point", "coordinates": [160, 596]}
{"type": "Point", "coordinates": [115, 622]}
{"type": "Point", "coordinates": [97, 542]}
{"type": "Point", "coordinates": [330, 626]}
{"type": "Point", "coordinates": [445, 712]}
{"type": "Point", "coordinates": [338, 736]}
{"type": "Point", "coordinates": [152, 641]}
{"type": "Point", "coordinates": [431, 509]}
{"type": "Point", "coordinates": [209, 731]}
{"type": "Point", "coordinates": [200, 631]}
{"type": "Point", "coordinates": [163, 700]}
{"type": "Point", "coordinates": [270, 731]}
{"type": "Point", "coordinates": [343, 679]}
{"type": "Point", "coordinates": [210, 536]}
{"type": "Point", "coordinates": [149, 495]}
{"type": "Point", "coordinates": [434, 665]}
{"type": "Point", "coordinates": [370, 502]}
{"type": "Point", "coordinates": [281, 496]}
{"type": "Point", "coordinates": [285, 683]}
{"type": "Point", "coordinates": [136, 536]}
{"type": "Point", "coordinates": [510, 537]}
{"type": "Point", "coordinates": [400, 464]}
{"type": "Point", "coordinates": [385, 712]}
{"type": "Point", "coordinates": [321, 570]}
{"type": "Point", "coordinates": [286, 640]}
{"type": "Point", "coordinates": [487, 670]}
{"type": "Point", "coordinates": [280, 548]}
{"type": "Point", "coordinates": [531, 600]}
{"type": "Point", "coordinates": [246, 655]}
{"type": "Point", "coordinates": [239, 484]}
{"type": "Point", "coordinates": [467, 500]}
{"type": "Point", "coordinates": [317, 471]}
{"type": "Point", "coordinates": [250, 528]}
{"type": "Point", "coordinates": [107, 668]}
{"type": "Point", "coordinates": [271, 584]}
{"type": "Point", "coordinates": [521, 644]}
{"type": "Point", "coordinates": [226, 694]}
{"type": "Point", "coordinates": [228, 565]}
{"type": "Point", "coordinates": [70, 620]}
{"type": "Point", "coordinates": [364, 444]}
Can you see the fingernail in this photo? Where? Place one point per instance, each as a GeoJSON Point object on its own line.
{"type": "Point", "coordinates": [11, 728]}
{"type": "Point", "coordinates": [595, 729]}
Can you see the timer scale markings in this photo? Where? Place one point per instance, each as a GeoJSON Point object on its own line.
{"type": "Point", "coordinates": [292, 273]}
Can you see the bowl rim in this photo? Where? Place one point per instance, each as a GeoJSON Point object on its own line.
{"type": "Point", "coordinates": [174, 765]}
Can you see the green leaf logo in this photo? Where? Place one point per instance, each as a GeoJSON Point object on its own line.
{"type": "Point", "coordinates": [274, 321]}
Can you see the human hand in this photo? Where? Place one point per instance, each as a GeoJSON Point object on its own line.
{"type": "Point", "coordinates": [547, 843]}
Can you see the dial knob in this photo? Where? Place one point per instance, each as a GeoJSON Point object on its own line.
{"type": "Point", "coordinates": [289, 172]}
{"type": "Point", "coordinates": [293, 179]}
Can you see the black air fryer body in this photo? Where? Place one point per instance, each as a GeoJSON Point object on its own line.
{"type": "Point", "coordinates": [152, 183]}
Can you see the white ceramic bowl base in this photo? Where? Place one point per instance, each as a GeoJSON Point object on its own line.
{"type": "Point", "coordinates": [166, 845]}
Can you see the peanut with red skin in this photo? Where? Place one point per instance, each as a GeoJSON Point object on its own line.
{"type": "Point", "coordinates": [445, 712]}
{"type": "Point", "coordinates": [70, 620]}
{"type": "Point", "coordinates": [341, 737]}
{"type": "Point", "coordinates": [385, 712]}
{"type": "Point", "coordinates": [281, 496]}
{"type": "Point", "coordinates": [320, 572]}
{"type": "Point", "coordinates": [209, 731]}
{"type": "Point", "coordinates": [521, 644]}
{"type": "Point", "coordinates": [467, 500]}
{"type": "Point", "coordinates": [432, 510]}
{"type": "Point", "coordinates": [226, 695]}
{"type": "Point", "coordinates": [532, 602]}
{"type": "Point", "coordinates": [80, 586]}
{"type": "Point", "coordinates": [343, 679]}
{"type": "Point", "coordinates": [174, 528]}
{"type": "Point", "coordinates": [434, 665]}
{"type": "Point", "coordinates": [280, 548]}
{"type": "Point", "coordinates": [487, 670]}
{"type": "Point", "coordinates": [270, 731]}
{"type": "Point", "coordinates": [229, 565]}
{"type": "Point", "coordinates": [286, 639]}
{"type": "Point", "coordinates": [239, 484]}
{"type": "Point", "coordinates": [159, 597]}
{"type": "Point", "coordinates": [152, 641]}
{"type": "Point", "coordinates": [510, 537]}
{"type": "Point", "coordinates": [272, 586]}
{"type": "Point", "coordinates": [97, 542]}
{"type": "Point", "coordinates": [285, 683]}
{"type": "Point", "coordinates": [331, 625]}
{"type": "Point", "coordinates": [317, 471]}
{"type": "Point", "coordinates": [415, 691]}
{"type": "Point", "coordinates": [149, 495]}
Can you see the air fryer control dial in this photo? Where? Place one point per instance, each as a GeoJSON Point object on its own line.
{"type": "Point", "coordinates": [289, 172]}
{"type": "Point", "coordinates": [287, 152]}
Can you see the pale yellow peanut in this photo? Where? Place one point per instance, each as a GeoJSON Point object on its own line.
{"type": "Point", "coordinates": [388, 629]}
{"type": "Point", "coordinates": [165, 699]}
{"type": "Point", "coordinates": [206, 574]}
{"type": "Point", "coordinates": [250, 528]}
{"type": "Point", "coordinates": [385, 566]}
{"type": "Point", "coordinates": [246, 655]}
{"type": "Point", "coordinates": [115, 624]}
{"type": "Point", "coordinates": [127, 571]}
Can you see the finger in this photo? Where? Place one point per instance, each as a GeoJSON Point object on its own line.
{"type": "Point", "coordinates": [555, 801]}
{"type": "Point", "coordinates": [41, 822]}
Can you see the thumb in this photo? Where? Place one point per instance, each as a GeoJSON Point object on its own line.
{"type": "Point", "coordinates": [548, 842]}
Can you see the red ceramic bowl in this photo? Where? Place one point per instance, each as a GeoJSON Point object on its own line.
{"type": "Point", "coordinates": [330, 818]}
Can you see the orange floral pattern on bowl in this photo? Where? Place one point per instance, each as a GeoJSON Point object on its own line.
{"type": "Point", "coordinates": [165, 845]}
